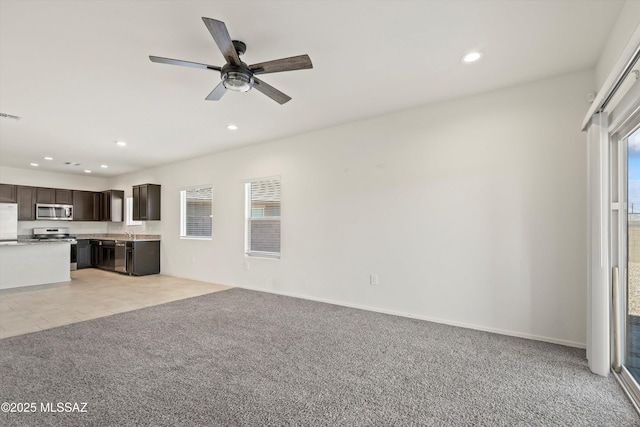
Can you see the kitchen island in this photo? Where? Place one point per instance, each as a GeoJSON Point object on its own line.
{"type": "Point", "coordinates": [34, 263]}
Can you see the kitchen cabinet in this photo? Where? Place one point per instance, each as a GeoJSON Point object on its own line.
{"type": "Point", "coordinates": [45, 195]}
{"type": "Point", "coordinates": [84, 253]}
{"type": "Point", "coordinates": [57, 196]}
{"type": "Point", "coordinates": [103, 254]}
{"type": "Point", "coordinates": [132, 257]}
{"type": "Point", "coordinates": [86, 205]}
{"type": "Point", "coordinates": [8, 193]}
{"type": "Point", "coordinates": [108, 255]}
{"type": "Point", "coordinates": [64, 197]}
{"type": "Point", "coordinates": [94, 247]}
{"type": "Point", "coordinates": [26, 198]}
{"type": "Point", "coordinates": [143, 258]}
{"type": "Point", "coordinates": [112, 206]}
{"type": "Point", "coordinates": [146, 202]}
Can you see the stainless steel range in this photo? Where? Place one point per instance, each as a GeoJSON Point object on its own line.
{"type": "Point", "coordinates": [52, 234]}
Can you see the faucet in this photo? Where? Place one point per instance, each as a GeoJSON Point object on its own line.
{"type": "Point", "coordinates": [131, 235]}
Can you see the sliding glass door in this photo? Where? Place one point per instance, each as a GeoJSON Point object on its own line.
{"type": "Point", "coordinates": [624, 154]}
{"type": "Point", "coordinates": [623, 129]}
{"type": "Point", "coordinates": [630, 338]}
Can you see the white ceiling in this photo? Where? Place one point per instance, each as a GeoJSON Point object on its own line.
{"type": "Point", "coordinates": [79, 76]}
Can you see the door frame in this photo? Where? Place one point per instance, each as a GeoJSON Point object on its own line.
{"type": "Point", "coordinates": [624, 120]}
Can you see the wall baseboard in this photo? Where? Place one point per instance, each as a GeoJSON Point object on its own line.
{"type": "Point", "coordinates": [426, 318]}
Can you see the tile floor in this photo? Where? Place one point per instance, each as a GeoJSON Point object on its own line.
{"type": "Point", "coordinates": [90, 294]}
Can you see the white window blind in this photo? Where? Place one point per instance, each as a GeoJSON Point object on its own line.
{"type": "Point", "coordinates": [262, 214]}
{"type": "Point", "coordinates": [196, 213]}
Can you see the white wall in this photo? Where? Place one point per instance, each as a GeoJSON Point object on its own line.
{"type": "Point", "coordinates": [471, 212]}
{"type": "Point", "coordinates": [38, 178]}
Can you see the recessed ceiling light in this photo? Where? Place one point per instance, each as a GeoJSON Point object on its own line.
{"type": "Point", "coordinates": [471, 57]}
{"type": "Point", "coordinates": [232, 127]}
{"type": "Point", "coordinates": [121, 143]}
{"type": "Point", "coordinates": [87, 171]}
{"type": "Point", "coordinates": [34, 164]}
{"type": "Point", "coordinates": [48, 158]}
{"type": "Point", "coordinates": [104, 166]}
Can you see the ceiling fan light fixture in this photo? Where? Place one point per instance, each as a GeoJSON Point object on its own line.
{"type": "Point", "coordinates": [235, 74]}
{"type": "Point", "coordinates": [237, 81]}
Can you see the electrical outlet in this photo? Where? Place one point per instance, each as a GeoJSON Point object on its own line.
{"type": "Point", "coordinates": [247, 266]}
{"type": "Point", "coordinates": [373, 279]}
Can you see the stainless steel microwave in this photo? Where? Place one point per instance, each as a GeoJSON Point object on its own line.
{"type": "Point", "coordinates": [51, 212]}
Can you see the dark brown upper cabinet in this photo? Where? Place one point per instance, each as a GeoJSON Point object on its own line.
{"type": "Point", "coordinates": [146, 202]}
{"type": "Point", "coordinates": [8, 193]}
{"type": "Point", "coordinates": [86, 205]}
{"type": "Point", "coordinates": [64, 197]}
{"type": "Point", "coordinates": [54, 195]}
{"type": "Point", "coordinates": [26, 198]}
{"type": "Point", "coordinates": [112, 206]}
{"type": "Point", "coordinates": [45, 195]}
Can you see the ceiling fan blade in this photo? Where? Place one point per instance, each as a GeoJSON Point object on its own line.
{"type": "Point", "coordinates": [299, 62]}
{"type": "Point", "coordinates": [222, 38]}
{"type": "Point", "coordinates": [270, 91]}
{"type": "Point", "coordinates": [183, 63]}
{"type": "Point", "coordinates": [217, 93]}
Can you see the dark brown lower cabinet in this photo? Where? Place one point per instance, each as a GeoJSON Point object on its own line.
{"type": "Point", "coordinates": [84, 253]}
{"type": "Point", "coordinates": [135, 258]}
{"type": "Point", "coordinates": [143, 258]}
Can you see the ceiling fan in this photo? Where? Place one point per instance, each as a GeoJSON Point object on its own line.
{"type": "Point", "coordinates": [235, 74]}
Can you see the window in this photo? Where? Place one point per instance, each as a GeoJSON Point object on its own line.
{"type": "Point", "coordinates": [262, 214]}
{"type": "Point", "coordinates": [196, 221]}
{"type": "Point", "coordinates": [129, 212]}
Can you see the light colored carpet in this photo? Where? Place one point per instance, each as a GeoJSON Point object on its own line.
{"type": "Point", "coordinates": [244, 358]}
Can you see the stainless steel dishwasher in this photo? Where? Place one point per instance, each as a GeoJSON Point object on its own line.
{"type": "Point", "coordinates": [121, 256]}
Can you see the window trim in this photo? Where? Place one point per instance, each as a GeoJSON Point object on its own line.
{"type": "Point", "coordinates": [247, 213]}
{"type": "Point", "coordinates": [183, 212]}
{"type": "Point", "coordinates": [129, 212]}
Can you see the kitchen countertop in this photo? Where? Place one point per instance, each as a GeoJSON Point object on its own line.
{"type": "Point", "coordinates": [138, 237]}
{"type": "Point", "coordinates": [32, 242]}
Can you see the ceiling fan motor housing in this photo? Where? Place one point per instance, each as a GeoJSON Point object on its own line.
{"type": "Point", "coordinates": [238, 78]}
{"type": "Point", "coordinates": [240, 47]}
